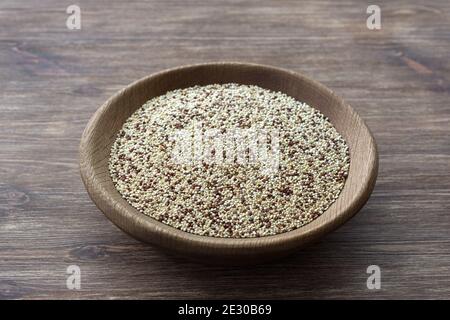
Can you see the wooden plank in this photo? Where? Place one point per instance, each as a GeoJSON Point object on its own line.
{"type": "Point", "coordinates": [53, 79]}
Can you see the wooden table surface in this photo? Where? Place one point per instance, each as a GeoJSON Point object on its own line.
{"type": "Point", "coordinates": [53, 79]}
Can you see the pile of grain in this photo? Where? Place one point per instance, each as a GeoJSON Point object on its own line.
{"type": "Point", "coordinates": [229, 198]}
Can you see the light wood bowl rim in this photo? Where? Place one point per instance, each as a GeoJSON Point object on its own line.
{"type": "Point", "coordinates": [150, 230]}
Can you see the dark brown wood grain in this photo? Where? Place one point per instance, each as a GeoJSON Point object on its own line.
{"type": "Point", "coordinates": [53, 79]}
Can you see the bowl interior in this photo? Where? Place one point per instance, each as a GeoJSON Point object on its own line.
{"type": "Point", "coordinates": [108, 120]}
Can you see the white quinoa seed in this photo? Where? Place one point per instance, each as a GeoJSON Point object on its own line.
{"type": "Point", "coordinates": [229, 200]}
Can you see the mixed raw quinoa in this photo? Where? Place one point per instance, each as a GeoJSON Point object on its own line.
{"type": "Point", "coordinates": [229, 160]}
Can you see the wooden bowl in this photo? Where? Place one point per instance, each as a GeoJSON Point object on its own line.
{"type": "Point", "coordinates": [101, 131]}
